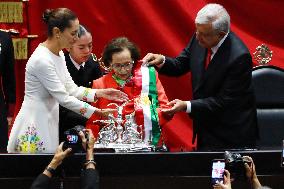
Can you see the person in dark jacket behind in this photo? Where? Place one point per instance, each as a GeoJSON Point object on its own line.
{"type": "Point", "coordinates": [7, 87]}
{"type": "Point", "coordinates": [89, 175]}
{"type": "Point", "coordinates": [83, 68]}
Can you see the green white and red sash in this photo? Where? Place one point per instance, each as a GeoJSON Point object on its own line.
{"type": "Point", "coordinates": [145, 89]}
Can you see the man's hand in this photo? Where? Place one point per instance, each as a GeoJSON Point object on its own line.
{"type": "Point", "coordinates": [177, 106]}
{"type": "Point", "coordinates": [112, 94]}
{"type": "Point", "coordinates": [153, 59]}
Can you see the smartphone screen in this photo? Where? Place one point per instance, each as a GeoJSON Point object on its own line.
{"type": "Point", "coordinates": [218, 166]}
{"type": "Point", "coordinates": [282, 159]}
{"type": "Point", "coordinates": [72, 139]}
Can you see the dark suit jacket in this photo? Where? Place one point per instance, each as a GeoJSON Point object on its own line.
{"type": "Point", "coordinates": [7, 86]}
{"type": "Point", "coordinates": [92, 71]}
{"type": "Point", "coordinates": [89, 180]}
{"type": "Point", "coordinates": [223, 105]}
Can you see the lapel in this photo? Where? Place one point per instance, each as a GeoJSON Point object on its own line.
{"type": "Point", "coordinates": [198, 69]}
{"type": "Point", "coordinates": [79, 79]}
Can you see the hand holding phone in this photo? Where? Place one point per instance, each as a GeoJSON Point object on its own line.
{"type": "Point", "coordinates": [218, 167]}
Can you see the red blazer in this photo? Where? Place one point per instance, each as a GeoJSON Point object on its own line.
{"type": "Point", "coordinates": [108, 82]}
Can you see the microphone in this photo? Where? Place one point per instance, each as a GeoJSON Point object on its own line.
{"type": "Point", "coordinates": [162, 148]}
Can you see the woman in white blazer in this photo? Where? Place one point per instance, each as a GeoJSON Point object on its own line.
{"type": "Point", "coordinates": [48, 84]}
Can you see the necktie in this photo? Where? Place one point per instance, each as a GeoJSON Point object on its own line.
{"type": "Point", "coordinates": [208, 58]}
{"type": "Point", "coordinates": [80, 78]}
{"type": "Point", "coordinates": [81, 69]}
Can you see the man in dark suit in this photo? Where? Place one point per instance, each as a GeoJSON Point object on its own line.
{"type": "Point", "coordinates": [223, 105]}
{"type": "Point", "coordinates": [7, 87]}
{"type": "Point", "coordinates": [83, 70]}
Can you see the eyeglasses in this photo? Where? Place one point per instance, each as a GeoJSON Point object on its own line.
{"type": "Point", "coordinates": [118, 66]}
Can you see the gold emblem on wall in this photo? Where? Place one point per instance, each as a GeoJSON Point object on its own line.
{"type": "Point", "coordinates": [263, 54]}
{"type": "Point", "coordinates": [20, 48]}
{"type": "Point", "coordinates": [11, 12]}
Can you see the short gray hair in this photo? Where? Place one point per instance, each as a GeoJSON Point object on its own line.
{"type": "Point", "coordinates": [215, 14]}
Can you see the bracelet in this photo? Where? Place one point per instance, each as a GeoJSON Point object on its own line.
{"type": "Point", "coordinates": [90, 161]}
{"type": "Point", "coordinates": [50, 170]}
{"type": "Point", "coordinates": [96, 97]}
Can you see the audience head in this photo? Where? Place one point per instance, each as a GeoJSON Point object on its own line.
{"type": "Point", "coordinates": [212, 24]}
{"type": "Point", "coordinates": [82, 48]}
{"type": "Point", "coordinates": [63, 25]}
{"type": "Point", "coordinates": [120, 55]}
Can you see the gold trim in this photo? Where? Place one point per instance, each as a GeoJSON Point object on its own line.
{"type": "Point", "coordinates": [20, 48]}
{"type": "Point", "coordinates": [11, 12]}
{"type": "Point", "coordinates": [101, 63]}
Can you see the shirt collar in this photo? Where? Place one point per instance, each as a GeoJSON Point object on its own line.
{"type": "Point", "coordinates": [75, 63]}
{"type": "Point", "coordinates": [215, 49]}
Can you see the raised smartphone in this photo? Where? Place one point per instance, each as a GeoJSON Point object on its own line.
{"type": "Point", "coordinates": [218, 167]}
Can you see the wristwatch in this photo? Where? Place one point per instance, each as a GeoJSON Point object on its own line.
{"type": "Point", "coordinates": [51, 170]}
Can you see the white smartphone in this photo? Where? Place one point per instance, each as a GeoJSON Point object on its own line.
{"type": "Point", "coordinates": [218, 167]}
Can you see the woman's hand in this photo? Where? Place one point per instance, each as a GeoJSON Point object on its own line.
{"type": "Point", "coordinates": [112, 94]}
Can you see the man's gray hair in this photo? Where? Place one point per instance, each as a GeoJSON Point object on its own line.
{"type": "Point", "coordinates": [215, 14]}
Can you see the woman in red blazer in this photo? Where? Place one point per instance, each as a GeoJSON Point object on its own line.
{"type": "Point", "coordinates": [140, 83]}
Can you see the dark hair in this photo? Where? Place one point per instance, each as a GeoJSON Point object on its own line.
{"type": "Point", "coordinates": [83, 30]}
{"type": "Point", "coordinates": [59, 18]}
{"type": "Point", "coordinates": [118, 45]}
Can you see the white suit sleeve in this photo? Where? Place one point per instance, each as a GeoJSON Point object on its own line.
{"type": "Point", "coordinates": [82, 93]}
{"type": "Point", "coordinates": [46, 73]}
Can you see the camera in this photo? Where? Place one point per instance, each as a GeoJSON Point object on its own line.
{"type": "Point", "coordinates": [235, 164]}
{"type": "Point", "coordinates": [73, 140]}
